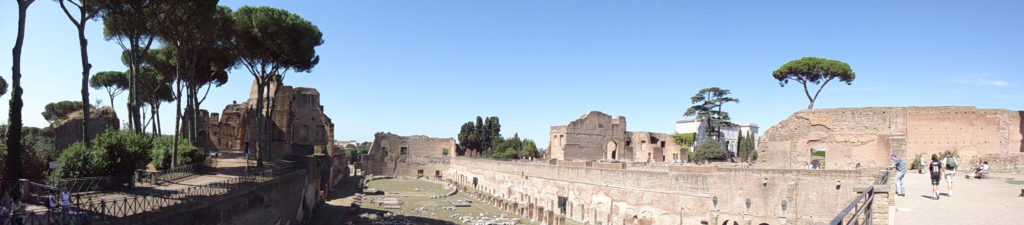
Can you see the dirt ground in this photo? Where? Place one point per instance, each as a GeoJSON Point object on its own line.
{"type": "Point", "coordinates": [995, 200]}
{"type": "Point", "coordinates": [417, 207]}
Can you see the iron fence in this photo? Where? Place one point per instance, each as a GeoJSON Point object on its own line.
{"type": "Point", "coordinates": [155, 177]}
{"type": "Point", "coordinates": [859, 210]}
{"type": "Point", "coordinates": [84, 184]}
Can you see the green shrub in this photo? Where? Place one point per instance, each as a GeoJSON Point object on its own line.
{"type": "Point", "coordinates": [710, 150]}
{"type": "Point", "coordinates": [113, 153]}
{"type": "Point", "coordinates": [38, 151]}
{"type": "Point", "coordinates": [187, 153]}
{"type": "Point", "coordinates": [190, 154]}
{"type": "Point", "coordinates": [76, 161]}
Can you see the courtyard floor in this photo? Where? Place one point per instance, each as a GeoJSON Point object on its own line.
{"type": "Point", "coordinates": [417, 206]}
{"type": "Point", "coordinates": [994, 200]}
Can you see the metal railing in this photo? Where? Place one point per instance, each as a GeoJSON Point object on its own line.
{"type": "Point", "coordinates": [84, 184]}
{"type": "Point", "coordinates": [859, 210]}
{"type": "Point", "coordinates": [105, 209]}
{"type": "Point", "coordinates": [155, 177]}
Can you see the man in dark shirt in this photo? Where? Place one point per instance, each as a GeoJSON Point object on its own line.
{"type": "Point", "coordinates": [936, 171]}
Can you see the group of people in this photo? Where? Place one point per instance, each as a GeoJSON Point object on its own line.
{"type": "Point", "coordinates": [937, 168]}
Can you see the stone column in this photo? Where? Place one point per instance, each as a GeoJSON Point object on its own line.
{"type": "Point", "coordinates": [714, 216]}
{"type": "Point", "coordinates": [881, 204]}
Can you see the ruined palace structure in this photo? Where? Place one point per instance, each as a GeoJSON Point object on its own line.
{"type": "Point", "coordinates": [598, 136]}
{"type": "Point", "coordinates": [296, 125]}
{"type": "Point", "coordinates": [418, 155]}
{"type": "Point", "coordinates": [868, 135]}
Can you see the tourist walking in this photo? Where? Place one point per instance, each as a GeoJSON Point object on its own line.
{"type": "Point", "coordinates": [921, 165]}
{"type": "Point", "coordinates": [951, 165]}
{"type": "Point", "coordinates": [936, 171]}
{"type": "Point", "coordinates": [901, 170]}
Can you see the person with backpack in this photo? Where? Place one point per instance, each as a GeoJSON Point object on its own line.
{"type": "Point", "coordinates": [936, 173]}
{"type": "Point", "coordinates": [951, 165]}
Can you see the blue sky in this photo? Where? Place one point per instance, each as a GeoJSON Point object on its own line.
{"type": "Point", "coordinates": [426, 67]}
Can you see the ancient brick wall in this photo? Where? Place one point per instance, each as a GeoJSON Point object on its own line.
{"type": "Point", "coordinates": [410, 156]}
{"type": "Point", "coordinates": [594, 136]}
{"type": "Point", "coordinates": [297, 126]}
{"type": "Point", "coordinates": [868, 135]}
{"type": "Point", "coordinates": [617, 196]}
{"type": "Point", "coordinates": [599, 136]}
{"type": "Point", "coordinates": [69, 131]}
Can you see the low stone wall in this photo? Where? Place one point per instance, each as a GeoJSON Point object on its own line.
{"type": "Point", "coordinates": [287, 199]}
{"type": "Point", "coordinates": [999, 161]}
{"type": "Point", "coordinates": [629, 196]}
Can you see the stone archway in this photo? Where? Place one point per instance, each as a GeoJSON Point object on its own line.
{"type": "Point", "coordinates": [611, 149]}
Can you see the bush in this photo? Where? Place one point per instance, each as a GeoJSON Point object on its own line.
{"type": "Point", "coordinates": [76, 161]}
{"type": "Point", "coordinates": [710, 150]}
{"type": "Point", "coordinates": [113, 153]}
{"type": "Point", "coordinates": [190, 154]}
{"type": "Point", "coordinates": [38, 151]}
{"type": "Point", "coordinates": [187, 153]}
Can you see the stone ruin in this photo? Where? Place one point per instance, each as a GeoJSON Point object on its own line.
{"type": "Point", "coordinates": [297, 126]}
{"type": "Point", "coordinates": [69, 131]}
{"type": "Point", "coordinates": [410, 156]}
{"type": "Point", "coordinates": [868, 135]}
{"type": "Point", "coordinates": [598, 136]}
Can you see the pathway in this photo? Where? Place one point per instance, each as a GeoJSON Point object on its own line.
{"type": "Point", "coordinates": [988, 201]}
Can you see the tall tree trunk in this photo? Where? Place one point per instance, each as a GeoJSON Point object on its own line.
{"type": "Point", "coordinates": [159, 127]}
{"type": "Point", "coordinates": [83, 43]}
{"type": "Point", "coordinates": [153, 113]}
{"type": "Point", "coordinates": [177, 124]}
{"type": "Point", "coordinates": [259, 121]}
{"type": "Point", "coordinates": [14, 148]}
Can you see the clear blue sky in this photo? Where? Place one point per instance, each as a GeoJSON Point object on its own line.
{"type": "Point", "coordinates": [426, 67]}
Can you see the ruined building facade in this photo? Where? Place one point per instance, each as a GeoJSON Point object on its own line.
{"type": "Point", "coordinates": [296, 124]}
{"type": "Point", "coordinates": [599, 136]}
{"type": "Point", "coordinates": [410, 156]}
{"type": "Point", "coordinates": [868, 135]}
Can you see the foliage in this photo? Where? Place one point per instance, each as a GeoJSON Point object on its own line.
{"type": "Point", "coordinates": [77, 161]}
{"type": "Point", "coordinates": [479, 136]}
{"type": "Point", "coordinates": [161, 153]}
{"type": "Point", "coordinates": [57, 111]}
{"type": "Point", "coordinates": [818, 154]}
{"type": "Point", "coordinates": [708, 107]}
{"type": "Point", "coordinates": [710, 150]}
{"type": "Point", "coordinates": [3, 86]}
{"type": "Point", "coordinates": [190, 154]}
{"type": "Point", "coordinates": [268, 42]}
{"type": "Point", "coordinates": [746, 150]}
{"type": "Point", "coordinates": [132, 24]}
{"type": "Point", "coordinates": [685, 140]}
{"type": "Point", "coordinates": [114, 82]}
{"type": "Point", "coordinates": [917, 163]}
{"type": "Point", "coordinates": [276, 40]}
{"type": "Point", "coordinates": [512, 148]}
{"type": "Point", "coordinates": [355, 153]}
{"type": "Point", "coordinates": [113, 153]}
{"type": "Point", "coordinates": [814, 71]}
{"type": "Point", "coordinates": [39, 150]}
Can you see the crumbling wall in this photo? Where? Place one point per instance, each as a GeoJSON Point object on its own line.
{"type": "Point", "coordinates": [599, 136]}
{"type": "Point", "coordinates": [296, 127]}
{"type": "Point", "coordinates": [411, 156]}
{"type": "Point", "coordinates": [703, 194]}
{"type": "Point", "coordinates": [868, 135]}
{"type": "Point", "coordinates": [69, 131]}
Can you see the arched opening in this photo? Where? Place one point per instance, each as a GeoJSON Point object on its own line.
{"type": "Point", "coordinates": [612, 150]}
